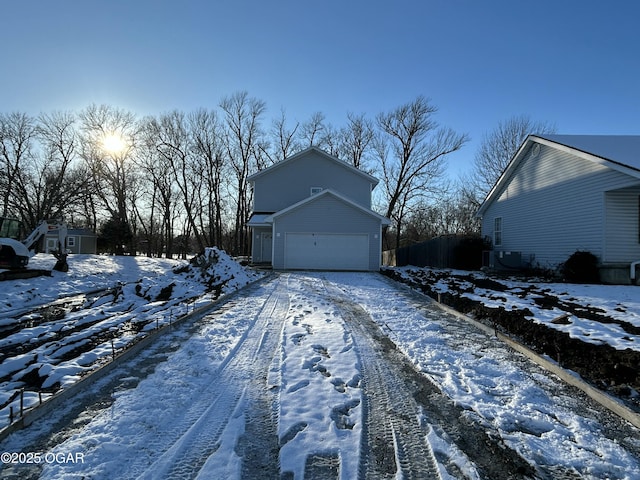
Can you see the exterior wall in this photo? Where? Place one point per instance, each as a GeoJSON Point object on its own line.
{"type": "Point", "coordinates": [553, 205]}
{"type": "Point", "coordinates": [327, 215]}
{"type": "Point", "coordinates": [622, 231]}
{"type": "Point", "coordinates": [292, 183]}
{"type": "Point", "coordinates": [76, 243]}
{"type": "Point", "coordinates": [87, 244]}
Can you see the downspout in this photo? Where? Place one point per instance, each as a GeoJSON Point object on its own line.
{"type": "Point", "coordinates": [632, 273]}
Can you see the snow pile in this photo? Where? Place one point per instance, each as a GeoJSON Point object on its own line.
{"type": "Point", "coordinates": [218, 271]}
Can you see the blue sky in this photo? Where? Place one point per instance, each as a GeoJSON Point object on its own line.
{"type": "Point", "coordinates": [572, 63]}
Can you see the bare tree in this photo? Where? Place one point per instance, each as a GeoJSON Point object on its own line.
{"type": "Point", "coordinates": [17, 131]}
{"type": "Point", "coordinates": [411, 150]}
{"type": "Point", "coordinates": [356, 140]}
{"type": "Point", "coordinates": [313, 130]}
{"type": "Point", "coordinates": [173, 143]}
{"type": "Point", "coordinates": [208, 159]}
{"type": "Point", "coordinates": [242, 137]}
{"type": "Point", "coordinates": [449, 213]}
{"type": "Point", "coordinates": [285, 139]}
{"type": "Point", "coordinates": [61, 183]}
{"type": "Point", "coordinates": [108, 142]}
{"type": "Point", "coordinates": [498, 148]}
{"type": "Point", "coordinates": [160, 193]}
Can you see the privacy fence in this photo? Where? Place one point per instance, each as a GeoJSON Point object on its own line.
{"type": "Point", "coordinates": [450, 251]}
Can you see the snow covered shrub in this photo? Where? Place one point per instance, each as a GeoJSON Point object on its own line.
{"type": "Point", "coordinates": [581, 267]}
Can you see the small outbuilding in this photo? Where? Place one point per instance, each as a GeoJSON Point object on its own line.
{"type": "Point", "coordinates": [79, 240]}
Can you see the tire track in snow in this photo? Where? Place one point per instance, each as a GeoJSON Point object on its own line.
{"type": "Point", "coordinates": [244, 371]}
{"type": "Point", "coordinates": [449, 422]}
{"type": "Point", "coordinates": [394, 441]}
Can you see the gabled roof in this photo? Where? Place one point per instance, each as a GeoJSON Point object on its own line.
{"type": "Point", "coordinates": [619, 152]}
{"type": "Point", "coordinates": [373, 180]}
{"type": "Point", "coordinates": [324, 193]}
{"type": "Point", "coordinates": [623, 150]}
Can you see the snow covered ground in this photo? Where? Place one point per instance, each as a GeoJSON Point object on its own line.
{"type": "Point", "coordinates": [618, 302]}
{"type": "Point", "coordinates": [41, 353]}
{"type": "Point", "coordinates": [317, 376]}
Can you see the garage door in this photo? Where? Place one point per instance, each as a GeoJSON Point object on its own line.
{"type": "Point", "coordinates": [326, 251]}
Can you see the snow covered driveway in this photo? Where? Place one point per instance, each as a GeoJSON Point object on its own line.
{"type": "Point", "coordinates": [329, 375]}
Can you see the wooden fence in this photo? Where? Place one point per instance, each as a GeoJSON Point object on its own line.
{"type": "Point", "coordinates": [450, 251]}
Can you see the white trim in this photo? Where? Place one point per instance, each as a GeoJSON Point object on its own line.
{"type": "Point", "coordinates": [328, 191]}
{"type": "Point", "coordinates": [497, 231]}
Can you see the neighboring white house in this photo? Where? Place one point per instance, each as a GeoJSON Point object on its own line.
{"type": "Point", "coordinates": [312, 211]}
{"type": "Point", "coordinates": [564, 193]}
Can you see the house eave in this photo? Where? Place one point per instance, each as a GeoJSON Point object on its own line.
{"type": "Point", "coordinates": [259, 220]}
{"type": "Point", "coordinates": [373, 180]}
{"type": "Point", "coordinates": [328, 192]}
{"type": "Point", "coordinates": [506, 174]}
{"type": "Point", "coordinates": [520, 156]}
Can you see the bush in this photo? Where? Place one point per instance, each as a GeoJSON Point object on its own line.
{"type": "Point", "coordinates": [581, 267]}
{"type": "Point", "coordinates": [467, 255]}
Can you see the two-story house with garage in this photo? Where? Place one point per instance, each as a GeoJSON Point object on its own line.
{"type": "Point", "coordinates": [312, 211]}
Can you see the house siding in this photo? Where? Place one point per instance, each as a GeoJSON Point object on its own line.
{"type": "Point", "coordinates": [553, 205]}
{"type": "Point", "coordinates": [327, 215]}
{"type": "Point", "coordinates": [78, 242]}
{"type": "Point", "coordinates": [622, 232]}
{"type": "Point", "coordinates": [292, 182]}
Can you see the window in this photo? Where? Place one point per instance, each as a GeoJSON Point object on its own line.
{"type": "Point", "coordinates": [497, 231]}
{"type": "Point", "coordinates": [315, 190]}
{"type": "Point", "coordinates": [71, 241]}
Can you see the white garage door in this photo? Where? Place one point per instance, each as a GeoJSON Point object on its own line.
{"type": "Point", "coordinates": [326, 251]}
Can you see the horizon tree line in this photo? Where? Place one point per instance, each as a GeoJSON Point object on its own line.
{"type": "Point", "coordinates": [174, 183]}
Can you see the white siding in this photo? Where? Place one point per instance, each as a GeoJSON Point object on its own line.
{"type": "Point", "coordinates": [553, 205]}
{"type": "Point", "coordinates": [622, 230]}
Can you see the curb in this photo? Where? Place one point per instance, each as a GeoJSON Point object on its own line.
{"type": "Point", "coordinates": [38, 411]}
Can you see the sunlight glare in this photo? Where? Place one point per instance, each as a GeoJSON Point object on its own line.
{"type": "Point", "coordinates": [113, 143]}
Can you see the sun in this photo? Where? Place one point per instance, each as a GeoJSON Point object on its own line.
{"type": "Point", "coordinates": [113, 143]}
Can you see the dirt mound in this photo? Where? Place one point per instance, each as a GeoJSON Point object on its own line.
{"type": "Point", "coordinates": [218, 271]}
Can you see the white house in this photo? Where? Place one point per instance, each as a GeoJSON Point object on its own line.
{"type": "Point", "coordinates": [564, 193]}
{"type": "Point", "coordinates": [313, 211]}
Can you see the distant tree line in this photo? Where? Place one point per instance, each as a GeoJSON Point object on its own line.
{"type": "Point", "coordinates": [174, 183]}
